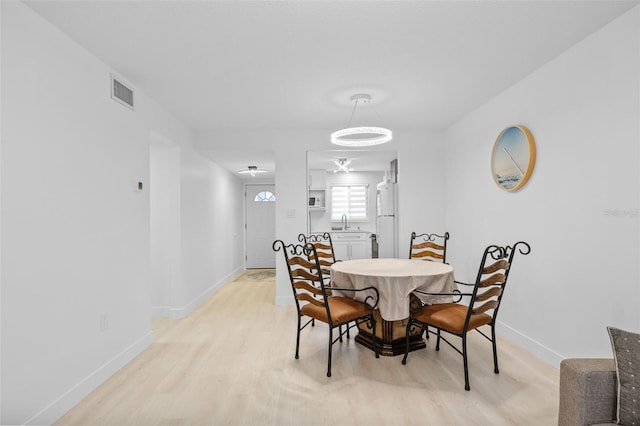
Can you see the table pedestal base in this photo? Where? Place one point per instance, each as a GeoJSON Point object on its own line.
{"type": "Point", "coordinates": [390, 336]}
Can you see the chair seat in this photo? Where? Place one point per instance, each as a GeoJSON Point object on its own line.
{"type": "Point", "coordinates": [343, 310]}
{"type": "Point", "coordinates": [450, 317]}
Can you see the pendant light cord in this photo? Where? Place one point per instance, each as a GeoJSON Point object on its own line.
{"type": "Point", "coordinates": [376, 111]}
{"type": "Point", "coordinates": [353, 111]}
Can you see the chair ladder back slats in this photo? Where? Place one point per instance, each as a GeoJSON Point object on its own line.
{"type": "Point", "coordinates": [304, 285]}
{"type": "Point", "coordinates": [428, 244]}
{"type": "Point", "coordinates": [496, 266]}
{"type": "Point", "coordinates": [322, 255]}
{"type": "Point", "coordinates": [306, 297]}
{"type": "Point", "coordinates": [303, 273]}
{"type": "Point", "coordinates": [426, 253]}
{"type": "Point", "coordinates": [494, 279]}
{"type": "Point", "coordinates": [301, 261]}
{"type": "Point", "coordinates": [494, 291]}
{"type": "Point", "coordinates": [322, 244]}
{"type": "Point", "coordinates": [491, 304]}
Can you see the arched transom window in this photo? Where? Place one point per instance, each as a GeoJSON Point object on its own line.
{"type": "Point", "coordinates": [265, 197]}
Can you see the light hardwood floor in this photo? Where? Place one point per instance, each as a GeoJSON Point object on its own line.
{"type": "Point", "coordinates": [231, 362]}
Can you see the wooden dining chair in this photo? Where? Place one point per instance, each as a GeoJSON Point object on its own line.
{"type": "Point", "coordinates": [316, 300]}
{"type": "Point", "coordinates": [431, 247]}
{"type": "Point", "coordinates": [484, 300]}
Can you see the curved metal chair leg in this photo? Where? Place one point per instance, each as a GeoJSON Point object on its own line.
{"type": "Point", "coordinates": [466, 364]}
{"type": "Point", "coordinates": [298, 338]}
{"type": "Point", "coordinates": [330, 346]}
{"type": "Point", "coordinates": [406, 345]}
{"type": "Point", "coordinates": [373, 337]}
{"type": "Point", "coordinates": [438, 341]}
{"type": "Point", "coordinates": [495, 350]}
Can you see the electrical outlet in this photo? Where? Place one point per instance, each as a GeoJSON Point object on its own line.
{"type": "Point", "coordinates": [104, 321]}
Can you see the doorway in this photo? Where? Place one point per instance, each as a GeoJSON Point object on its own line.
{"type": "Point", "coordinates": [260, 209]}
{"type": "Point", "coordinates": [164, 223]}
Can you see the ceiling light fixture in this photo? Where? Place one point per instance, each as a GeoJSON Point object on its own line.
{"type": "Point", "coordinates": [252, 170]}
{"type": "Point", "coordinates": [362, 135]}
{"type": "Point", "coordinates": [342, 164]}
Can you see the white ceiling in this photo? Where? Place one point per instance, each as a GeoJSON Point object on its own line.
{"type": "Point", "coordinates": [271, 65]}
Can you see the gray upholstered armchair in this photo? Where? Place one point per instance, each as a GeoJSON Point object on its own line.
{"type": "Point", "coordinates": [588, 392]}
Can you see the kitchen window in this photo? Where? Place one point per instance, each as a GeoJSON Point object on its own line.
{"type": "Point", "coordinates": [351, 200]}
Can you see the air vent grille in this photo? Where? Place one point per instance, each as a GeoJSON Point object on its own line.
{"type": "Point", "coordinates": [121, 93]}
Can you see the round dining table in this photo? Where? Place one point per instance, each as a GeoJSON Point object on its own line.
{"type": "Point", "coordinates": [395, 280]}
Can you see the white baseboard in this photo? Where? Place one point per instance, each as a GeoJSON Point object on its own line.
{"type": "Point", "coordinates": [177, 313]}
{"type": "Point", "coordinates": [536, 348]}
{"type": "Point", "coordinates": [73, 396]}
{"type": "Point", "coordinates": [160, 311]}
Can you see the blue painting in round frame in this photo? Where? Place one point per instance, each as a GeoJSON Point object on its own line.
{"type": "Point", "coordinates": [513, 158]}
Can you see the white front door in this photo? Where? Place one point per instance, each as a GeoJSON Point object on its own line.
{"type": "Point", "coordinates": [260, 208]}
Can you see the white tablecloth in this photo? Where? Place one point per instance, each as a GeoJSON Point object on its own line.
{"type": "Point", "coordinates": [395, 279]}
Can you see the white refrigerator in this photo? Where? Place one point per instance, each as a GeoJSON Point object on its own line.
{"type": "Point", "coordinates": [386, 220]}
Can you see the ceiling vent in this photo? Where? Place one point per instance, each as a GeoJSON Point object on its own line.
{"type": "Point", "coordinates": [120, 92]}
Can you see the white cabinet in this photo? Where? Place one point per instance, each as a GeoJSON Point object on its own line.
{"type": "Point", "coordinates": [350, 245]}
{"type": "Point", "coordinates": [317, 190]}
{"type": "Point", "coordinates": [358, 250]}
{"type": "Point", "coordinates": [340, 249]}
{"type": "Point", "coordinates": [318, 179]}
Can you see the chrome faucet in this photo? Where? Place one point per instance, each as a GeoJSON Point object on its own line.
{"type": "Point", "coordinates": [344, 221]}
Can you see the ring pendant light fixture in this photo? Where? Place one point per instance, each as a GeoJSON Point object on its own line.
{"type": "Point", "coordinates": [362, 135]}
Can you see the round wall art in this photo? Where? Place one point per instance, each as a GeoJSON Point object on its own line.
{"type": "Point", "coordinates": [513, 158]}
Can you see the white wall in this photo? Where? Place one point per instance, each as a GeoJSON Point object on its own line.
{"type": "Point", "coordinates": [164, 218]}
{"type": "Point", "coordinates": [76, 231]}
{"type": "Point", "coordinates": [197, 228]}
{"type": "Point", "coordinates": [291, 207]}
{"type": "Point", "coordinates": [579, 211]}
{"type": "Point", "coordinates": [421, 186]}
{"type": "Point", "coordinates": [212, 230]}
{"type": "Point", "coordinates": [1, 215]}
